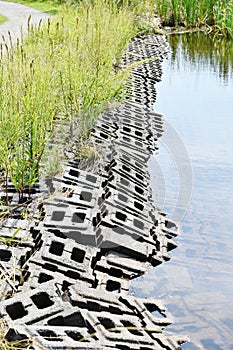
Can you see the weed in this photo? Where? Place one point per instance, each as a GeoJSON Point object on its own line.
{"type": "Point", "coordinates": [9, 240]}
{"type": "Point", "coordinates": [20, 344]}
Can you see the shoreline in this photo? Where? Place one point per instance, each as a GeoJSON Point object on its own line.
{"type": "Point", "coordinates": [77, 252]}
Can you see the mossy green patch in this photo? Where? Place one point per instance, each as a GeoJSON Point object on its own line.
{"type": "Point", "coordinates": [3, 19]}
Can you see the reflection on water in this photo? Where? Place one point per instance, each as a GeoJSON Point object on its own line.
{"type": "Point", "coordinates": [201, 49]}
{"type": "Point", "coordinates": [196, 98]}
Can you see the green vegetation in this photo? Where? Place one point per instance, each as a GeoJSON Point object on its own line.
{"type": "Point", "coordinates": [216, 14]}
{"type": "Point", "coordinates": [3, 19]}
{"type": "Point", "coordinates": [50, 7]}
{"type": "Point", "coordinates": [62, 76]}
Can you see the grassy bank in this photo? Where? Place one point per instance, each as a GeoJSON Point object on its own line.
{"type": "Point", "coordinates": [216, 14]}
{"type": "Point", "coordinates": [64, 73]}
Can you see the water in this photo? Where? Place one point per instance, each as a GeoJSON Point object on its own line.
{"type": "Point", "coordinates": [192, 180]}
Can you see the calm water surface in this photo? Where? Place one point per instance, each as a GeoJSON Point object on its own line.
{"type": "Point", "coordinates": [196, 189]}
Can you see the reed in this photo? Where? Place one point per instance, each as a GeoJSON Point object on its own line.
{"type": "Point", "coordinates": [193, 13]}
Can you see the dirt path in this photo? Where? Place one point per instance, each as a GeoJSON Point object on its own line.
{"type": "Point", "coordinates": [17, 18]}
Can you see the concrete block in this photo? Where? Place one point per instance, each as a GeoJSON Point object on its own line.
{"type": "Point", "coordinates": [64, 216]}
{"type": "Point", "coordinates": [17, 236]}
{"type": "Point", "coordinates": [111, 283]}
{"type": "Point", "coordinates": [125, 157]}
{"type": "Point", "coordinates": [33, 306]}
{"type": "Point", "coordinates": [140, 249]}
{"type": "Point", "coordinates": [74, 195]}
{"type": "Point", "coordinates": [122, 157]}
{"type": "Point", "coordinates": [73, 175]}
{"type": "Point", "coordinates": [129, 132]}
{"type": "Point", "coordinates": [132, 143]}
{"type": "Point", "coordinates": [39, 273]}
{"type": "Point", "coordinates": [169, 227]}
{"type": "Point", "coordinates": [129, 165]}
{"type": "Point", "coordinates": [107, 123]}
{"type": "Point", "coordinates": [118, 265]}
{"type": "Point", "coordinates": [124, 202]}
{"type": "Point", "coordinates": [13, 195]}
{"type": "Point", "coordinates": [96, 300]}
{"type": "Point", "coordinates": [152, 311]}
{"type": "Point", "coordinates": [124, 223]}
{"type": "Point", "coordinates": [125, 186]}
{"type": "Point", "coordinates": [140, 154]}
{"type": "Point", "coordinates": [50, 337]}
{"type": "Point", "coordinates": [119, 329]}
{"type": "Point", "coordinates": [110, 117]}
{"type": "Point", "coordinates": [13, 258]}
{"type": "Point", "coordinates": [14, 223]}
{"type": "Point", "coordinates": [102, 134]}
{"type": "Point", "coordinates": [135, 177]}
{"type": "Point", "coordinates": [66, 257]}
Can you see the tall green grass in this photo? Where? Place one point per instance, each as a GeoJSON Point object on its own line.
{"type": "Point", "coordinates": [64, 71]}
{"type": "Point", "coordinates": [193, 13]}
